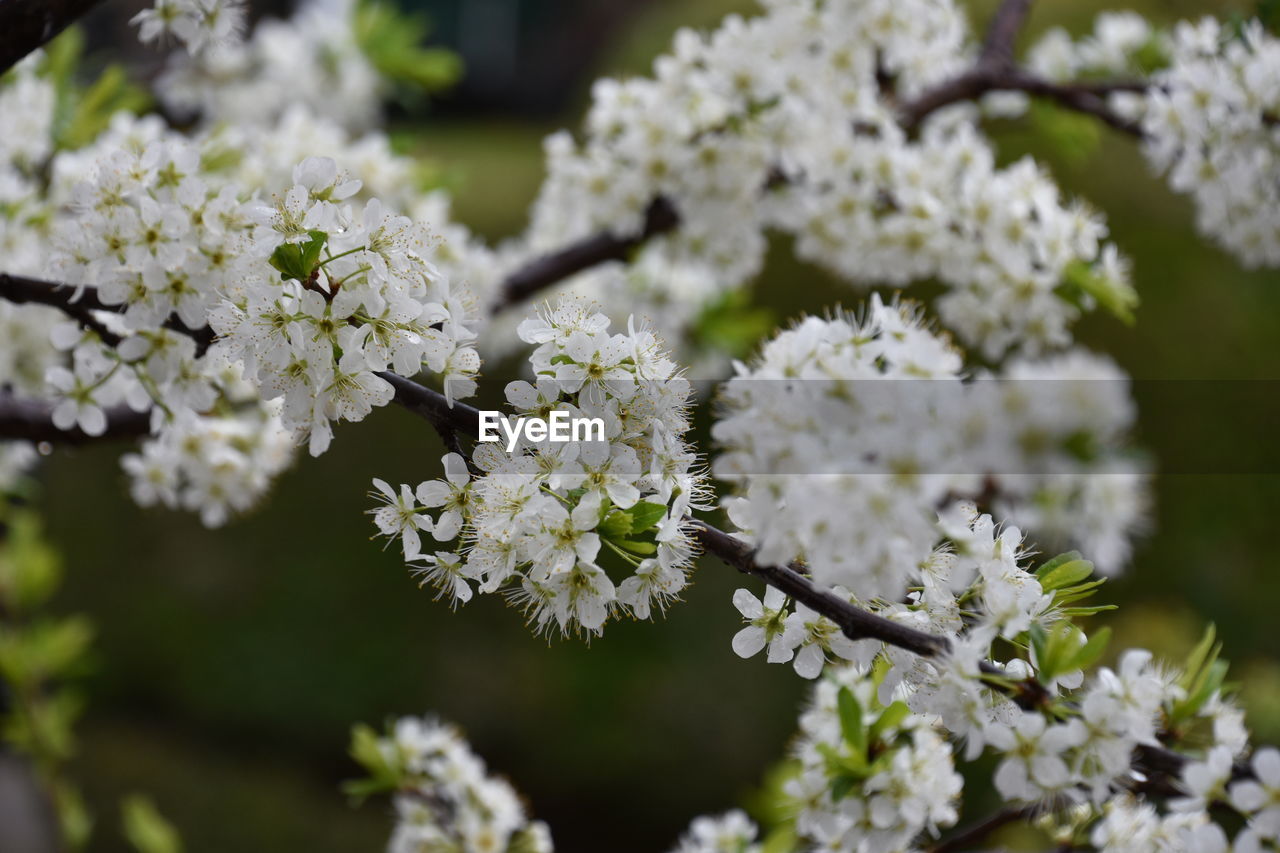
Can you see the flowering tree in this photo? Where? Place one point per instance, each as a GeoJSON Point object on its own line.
{"type": "Point", "coordinates": [222, 279]}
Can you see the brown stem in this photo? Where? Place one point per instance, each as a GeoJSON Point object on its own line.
{"type": "Point", "coordinates": [996, 71]}
{"type": "Point", "coordinates": [660, 217]}
{"type": "Point", "coordinates": [23, 419]}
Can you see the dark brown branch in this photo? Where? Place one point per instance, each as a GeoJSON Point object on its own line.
{"type": "Point", "coordinates": [996, 71]}
{"type": "Point", "coordinates": [1087, 98]}
{"type": "Point", "coordinates": [856, 623]}
{"type": "Point", "coordinates": [22, 290]}
{"type": "Point", "coordinates": [660, 217]}
{"type": "Point", "coordinates": [23, 419]}
{"type": "Point", "coordinates": [33, 291]}
{"type": "Point", "coordinates": [1002, 32]}
{"type": "Point", "coordinates": [26, 25]}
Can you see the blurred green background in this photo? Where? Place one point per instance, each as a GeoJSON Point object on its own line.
{"type": "Point", "coordinates": [231, 663]}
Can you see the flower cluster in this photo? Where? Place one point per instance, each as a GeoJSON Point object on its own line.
{"type": "Point", "coordinates": [871, 777]}
{"type": "Point", "coordinates": [352, 296]}
{"type": "Point", "coordinates": [809, 142]}
{"type": "Point", "coordinates": [876, 767]}
{"type": "Point", "coordinates": [1211, 122]}
{"type": "Point", "coordinates": [732, 832]}
{"type": "Point", "coordinates": [547, 521]}
{"type": "Point", "coordinates": [310, 62]}
{"type": "Point", "coordinates": [201, 25]}
{"type": "Point", "coordinates": [444, 798]}
{"type": "Point", "coordinates": [216, 466]}
{"type": "Point", "coordinates": [845, 436]}
{"type": "Point", "coordinates": [1122, 45]}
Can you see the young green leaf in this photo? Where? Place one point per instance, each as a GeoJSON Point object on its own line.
{"type": "Point", "coordinates": [851, 727]}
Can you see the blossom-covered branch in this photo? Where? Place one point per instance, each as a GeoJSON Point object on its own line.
{"type": "Point", "coordinates": [996, 70]}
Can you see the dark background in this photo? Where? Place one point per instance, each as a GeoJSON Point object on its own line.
{"type": "Point", "coordinates": [231, 663]}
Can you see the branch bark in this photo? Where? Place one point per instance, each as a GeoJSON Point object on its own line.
{"type": "Point", "coordinates": [30, 24]}
{"type": "Point", "coordinates": [996, 71]}
{"type": "Point", "coordinates": [23, 419]}
{"type": "Point", "coordinates": [30, 291]}
{"type": "Point", "coordinates": [660, 217]}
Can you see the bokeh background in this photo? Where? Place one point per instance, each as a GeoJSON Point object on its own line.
{"type": "Point", "coordinates": [230, 664]}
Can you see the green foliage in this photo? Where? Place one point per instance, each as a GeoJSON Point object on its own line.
{"type": "Point", "coordinates": [1064, 649]}
{"type": "Point", "coordinates": [864, 752]}
{"type": "Point", "coordinates": [1073, 135]}
{"type": "Point", "coordinates": [299, 260]}
{"type": "Point", "coordinates": [618, 527]}
{"type": "Point", "coordinates": [81, 113]}
{"type": "Point", "coordinates": [732, 324]}
{"type": "Point", "coordinates": [384, 773]}
{"type": "Point", "coordinates": [109, 94]}
{"type": "Point", "coordinates": [392, 41]}
{"type": "Point", "coordinates": [1152, 56]}
{"type": "Point", "coordinates": [1203, 676]}
{"type": "Point", "coordinates": [29, 568]}
{"type": "Point", "coordinates": [1066, 577]}
{"type": "Point", "coordinates": [850, 713]}
{"type": "Point", "coordinates": [1082, 282]}
{"type": "Point", "coordinates": [146, 829]}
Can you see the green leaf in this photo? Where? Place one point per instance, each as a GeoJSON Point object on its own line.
{"type": "Point", "coordinates": [1065, 575]}
{"type": "Point", "coordinates": [644, 549]}
{"type": "Point", "coordinates": [146, 829]}
{"type": "Point", "coordinates": [1039, 643]}
{"type": "Point", "coordinates": [733, 324]}
{"type": "Point", "coordinates": [890, 718]}
{"type": "Point", "coordinates": [1203, 652]}
{"type": "Point", "coordinates": [29, 569]}
{"type": "Point", "coordinates": [616, 525]}
{"type": "Point", "coordinates": [74, 820]}
{"type": "Point", "coordinates": [1080, 279]}
{"type": "Point", "coordinates": [366, 750]}
{"type": "Point", "coordinates": [392, 41]}
{"type": "Point", "coordinates": [110, 93]}
{"type": "Point", "coordinates": [1090, 652]}
{"type": "Point", "coordinates": [781, 839]}
{"type": "Point", "coordinates": [645, 515]}
{"type": "Point", "coordinates": [299, 260]}
{"type": "Point", "coordinates": [1075, 137]}
{"type": "Point", "coordinates": [1051, 564]}
{"type": "Point", "coordinates": [851, 720]}
{"type": "Point", "coordinates": [843, 786]}
{"type": "Point", "coordinates": [1202, 677]}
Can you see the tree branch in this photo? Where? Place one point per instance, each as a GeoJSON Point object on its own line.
{"type": "Point", "coordinates": [30, 420]}
{"type": "Point", "coordinates": [23, 419]}
{"type": "Point", "coordinates": [29, 291]}
{"type": "Point", "coordinates": [30, 24]}
{"type": "Point", "coordinates": [996, 71]}
{"type": "Point", "coordinates": [1002, 32]}
{"type": "Point", "coordinates": [660, 217]}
